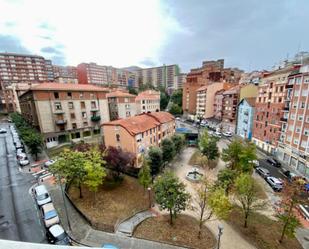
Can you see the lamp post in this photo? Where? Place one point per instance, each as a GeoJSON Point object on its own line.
{"type": "Point", "coordinates": [220, 232]}
{"type": "Point", "coordinates": [149, 196]}
{"type": "Point", "coordinates": [64, 203]}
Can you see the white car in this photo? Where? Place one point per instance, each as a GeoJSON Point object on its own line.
{"type": "Point", "coordinates": [218, 134]}
{"type": "Point", "coordinates": [23, 162]}
{"type": "Point", "coordinates": [41, 195]}
{"type": "Point", "coordinates": [21, 156]}
{"type": "Point", "coordinates": [178, 118]}
{"type": "Point", "coordinates": [49, 163]}
{"type": "Point", "coordinates": [2, 130]}
{"type": "Point", "coordinates": [227, 134]}
{"type": "Point", "coordinates": [275, 183]}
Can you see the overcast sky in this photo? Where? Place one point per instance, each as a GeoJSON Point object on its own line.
{"type": "Point", "coordinates": [249, 34]}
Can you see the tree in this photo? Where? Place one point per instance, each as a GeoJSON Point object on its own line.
{"type": "Point", "coordinates": [226, 178]}
{"type": "Point", "coordinates": [168, 149]}
{"type": "Point", "coordinates": [155, 160]}
{"type": "Point", "coordinates": [246, 194]}
{"type": "Point", "coordinates": [34, 142]}
{"type": "Point", "coordinates": [95, 171]}
{"type": "Point", "coordinates": [132, 90]}
{"type": "Point", "coordinates": [171, 195]}
{"type": "Point", "coordinates": [70, 167]}
{"type": "Point", "coordinates": [176, 97]}
{"type": "Point", "coordinates": [164, 98]}
{"type": "Point", "coordinates": [208, 146]}
{"type": "Point", "coordinates": [179, 142]}
{"type": "Point", "coordinates": [144, 176]}
{"type": "Point", "coordinates": [291, 196]}
{"type": "Point", "coordinates": [118, 160]}
{"type": "Point", "coordinates": [175, 109]}
{"type": "Point", "coordinates": [211, 201]}
{"type": "Point", "coordinates": [82, 146]}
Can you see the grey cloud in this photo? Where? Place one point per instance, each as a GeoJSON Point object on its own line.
{"type": "Point", "coordinates": [249, 34]}
{"type": "Point", "coordinates": [11, 44]}
{"type": "Point", "coordinates": [55, 54]}
{"type": "Point", "coordinates": [50, 50]}
{"type": "Point", "coordinates": [58, 59]}
{"type": "Point", "coordinates": [147, 62]}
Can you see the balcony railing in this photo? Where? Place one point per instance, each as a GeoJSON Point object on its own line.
{"type": "Point", "coordinates": [95, 118]}
{"type": "Point", "coordinates": [58, 111]}
{"type": "Point", "coordinates": [60, 121]}
{"type": "Point", "coordinates": [283, 119]}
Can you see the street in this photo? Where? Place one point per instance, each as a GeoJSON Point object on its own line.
{"type": "Point", "coordinates": [19, 216]}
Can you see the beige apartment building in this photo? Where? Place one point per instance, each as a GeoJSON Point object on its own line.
{"type": "Point", "coordinates": [293, 145]}
{"type": "Point", "coordinates": [121, 105]}
{"type": "Point", "coordinates": [65, 112]}
{"type": "Point", "coordinates": [137, 134]}
{"type": "Point", "coordinates": [148, 101]}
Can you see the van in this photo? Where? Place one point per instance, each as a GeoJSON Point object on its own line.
{"type": "Point", "coordinates": [49, 215]}
{"type": "Point", "coordinates": [41, 195]}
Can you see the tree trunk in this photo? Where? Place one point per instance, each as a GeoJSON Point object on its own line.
{"type": "Point", "coordinates": [246, 218]}
{"type": "Point", "coordinates": [80, 191]}
{"type": "Point", "coordinates": [286, 223]}
{"type": "Point", "coordinates": [201, 222]}
{"type": "Point", "coordinates": [171, 217]}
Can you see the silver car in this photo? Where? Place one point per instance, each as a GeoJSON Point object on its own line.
{"type": "Point", "coordinates": [262, 172]}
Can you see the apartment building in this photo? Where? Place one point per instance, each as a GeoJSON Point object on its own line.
{"type": "Point", "coordinates": [148, 101]}
{"type": "Point", "coordinates": [206, 99]}
{"type": "Point", "coordinates": [65, 112]}
{"type": "Point", "coordinates": [21, 68]}
{"type": "Point", "coordinates": [179, 81]}
{"type": "Point", "coordinates": [210, 72]}
{"type": "Point", "coordinates": [245, 118]}
{"type": "Point", "coordinates": [293, 146]}
{"type": "Point", "coordinates": [269, 108]}
{"type": "Point", "coordinates": [248, 91]}
{"type": "Point", "coordinates": [218, 102]}
{"type": "Point", "coordinates": [65, 74]}
{"type": "Point", "coordinates": [137, 134]}
{"type": "Point", "coordinates": [121, 105]}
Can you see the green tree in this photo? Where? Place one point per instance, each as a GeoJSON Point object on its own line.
{"type": "Point", "coordinates": [175, 109]}
{"type": "Point", "coordinates": [226, 178]}
{"type": "Point", "coordinates": [34, 141]}
{"type": "Point", "coordinates": [211, 201]}
{"type": "Point", "coordinates": [95, 171]}
{"type": "Point", "coordinates": [132, 90]}
{"type": "Point", "coordinates": [164, 98]}
{"type": "Point", "coordinates": [155, 159]}
{"type": "Point", "coordinates": [168, 149]}
{"type": "Point", "coordinates": [208, 146]}
{"type": "Point", "coordinates": [144, 176]}
{"type": "Point", "coordinates": [246, 194]}
{"type": "Point", "coordinates": [70, 167]}
{"type": "Point", "coordinates": [171, 195]}
{"type": "Point", "coordinates": [176, 97]}
{"type": "Point", "coordinates": [179, 142]}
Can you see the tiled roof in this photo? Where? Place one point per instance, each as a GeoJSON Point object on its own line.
{"type": "Point", "coordinates": [67, 87]}
{"type": "Point", "coordinates": [150, 94]}
{"type": "Point", "coordinates": [251, 101]}
{"type": "Point", "coordinates": [232, 90]}
{"type": "Point", "coordinates": [120, 94]}
{"type": "Point", "coordinates": [203, 88]}
{"type": "Point", "coordinates": [143, 122]}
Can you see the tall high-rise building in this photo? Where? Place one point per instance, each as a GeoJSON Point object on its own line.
{"type": "Point", "coordinates": [21, 68]}
{"type": "Point", "coordinates": [65, 74]}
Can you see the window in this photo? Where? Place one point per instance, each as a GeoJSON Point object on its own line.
{"type": "Point", "coordinates": [302, 105]}
{"type": "Point", "coordinates": [82, 105]}
{"type": "Point", "coordinates": [295, 141]}
{"type": "Point", "coordinates": [74, 126]}
{"type": "Point", "coordinates": [291, 127]}
{"type": "Point", "coordinates": [72, 115]}
{"type": "Point", "coordinates": [303, 144]}
{"type": "Point", "coordinates": [304, 92]}
{"type": "Point", "coordinates": [298, 80]}
{"type": "Point", "coordinates": [306, 79]}
{"type": "Point", "coordinates": [307, 119]}
{"type": "Point", "coordinates": [84, 114]}
{"type": "Point", "coordinates": [85, 123]}
{"type": "Point", "coordinates": [69, 95]}
{"type": "Point", "coordinates": [71, 105]}
{"type": "Point", "coordinates": [292, 116]}
{"type": "Point", "coordinates": [81, 95]}
{"type": "Point", "coordinates": [300, 117]}
{"type": "Point", "coordinates": [306, 132]}
{"type": "Point", "coordinates": [288, 138]}
{"type": "Point", "coordinates": [128, 114]}
{"type": "Point", "coordinates": [56, 95]}
{"type": "Point", "coordinates": [298, 129]}
{"type": "Point", "coordinates": [117, 137]}
{"type": "Point", "coordinates": [126, 100]}
{"type": "Point", "coordinates": [296, 93]}
{"type": "Point", "coordinates": [93, 105]}
{"type": "Point", "coordinates": [58, 106]}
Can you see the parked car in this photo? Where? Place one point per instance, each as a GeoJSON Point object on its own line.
{"type": "Point", "coordinates": [227, 134]}
{"type": "Point", "coordinates": [262, 172]}
{"type": "Point", "coordinates": [273, 162]}
{"type": "Point", "coordinates": [2, 130]}
{"type": "Point", "coordinates": [23, 162]}
{"type": "Point", "coordinates": [255, 163]}
{"type": "Point", "coordinates": [21, 156]}
{"type": "Point", "coordinates": [19, 146]}
{"type": "Point", "coordinates": [41, 195]}
{"type": "Point", "coordinates": [56, 235]}
{"type": "Point", "coordinates": [49, 162]}
{"type": "Point", "coordinates": [218, 134]}
{"type": "Point", "coordinates": [49, 215]}
{"type": "Point", "coordinates": [19, 151]}
{"type": "Point", "coordinates": [178, 118]}
{"type": "Point", "coordinates": [275, 183]}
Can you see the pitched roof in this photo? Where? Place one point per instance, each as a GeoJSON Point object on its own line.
{"type": "Point", "coordinates": [141, 123]}
{"type": "Point", "coordinates": [251, 101]}
{"type": "Point", "coordinates": [232, 90]}
{"type": "Point", "coordinates": [203, 88]}
{"type": "Point", "coordinates": [149, 94]}
{"type": "Point", "coordinates": [67, 87]}
{"type": "Point", "coordinates": [119, 94]}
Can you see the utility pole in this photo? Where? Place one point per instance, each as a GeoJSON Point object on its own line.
{"type": "Point", "coordinates": [64, 203]}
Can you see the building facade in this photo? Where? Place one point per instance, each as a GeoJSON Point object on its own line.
{"type": "Point", "coordinates": [137, 134]}
{"type": "Point", "coordinates": [121, 105]}
{"type": "Point", "coordinates": [21, 68]}
{"type": "Point", "coordinates": [148, 101]}
{"type": "Point", "coordinates": [245, 118]}
{"type": "Point", "coordinates": [65, 74]}
{"type": "Point", "coordinates": [179, 81]}
{"type": "Point", "coordinates": [293, 146]}
{"type": "Point", "coordinates": [218, 102]}
{"type": "Point", "coordinates": [248, 91]}
{"type": "Point", "coordinates": [65, 112]}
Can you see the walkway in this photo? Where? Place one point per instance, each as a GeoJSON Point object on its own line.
{"type": "Point", "coordinates": [127, 227]}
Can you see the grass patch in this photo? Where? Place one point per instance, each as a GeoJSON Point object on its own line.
{"type": "Point", "coordinates": [194, 160]}
{"type": "Point", "coordinates": [262, 232]}
{"type": "Point", "coordinates": [183, 233]}
{"type": "Point", "coordinates": [53, 152]}
{"type": "Point", "coordinates": [114, 201]}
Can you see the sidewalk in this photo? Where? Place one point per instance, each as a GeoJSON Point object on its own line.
{"type": "Point", "coordinates": [82, 232]}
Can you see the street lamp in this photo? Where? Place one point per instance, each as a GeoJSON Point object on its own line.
{"type": "Point", "coordinates": [220, 232]}
{"type": "Point", "coordinates": [149, 196]}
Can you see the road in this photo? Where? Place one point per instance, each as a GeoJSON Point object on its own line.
{"type": "Point", "coordinates": [19, 216]}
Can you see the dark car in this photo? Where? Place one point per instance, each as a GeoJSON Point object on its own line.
{"type": "Point", "coordinates": [273, 162]}
{"type": "Point", "coordinates": [56, 235]}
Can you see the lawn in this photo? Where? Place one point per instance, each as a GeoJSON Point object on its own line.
{"type": "Point", "coordinates": [183, 233]}
{"type": "Point", "coordinates": [194, 160]}
{"type": "Point", "coordinates": [53, 152]}
{"type": "Point", "coordinates": [113, 202]}
{"type": "Point", "coordinates": [262, 232]}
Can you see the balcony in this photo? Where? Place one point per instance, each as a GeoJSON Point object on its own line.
{"type": "Point", "coordinates": [288, 86]}
{"type": "Point", "coordinates": [95, 118]}
{"type": "Point", "coordinates": [283, 119]}
{"type": "Point", "coordinates": [286, 108]}
{"type": "Point", "coordinates": [58, 111]}
{"type": "Point", "coordinates": [60, 121]}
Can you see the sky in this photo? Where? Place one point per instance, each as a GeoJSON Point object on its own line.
{"type": "Point", "coordinates": [249, 34]}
